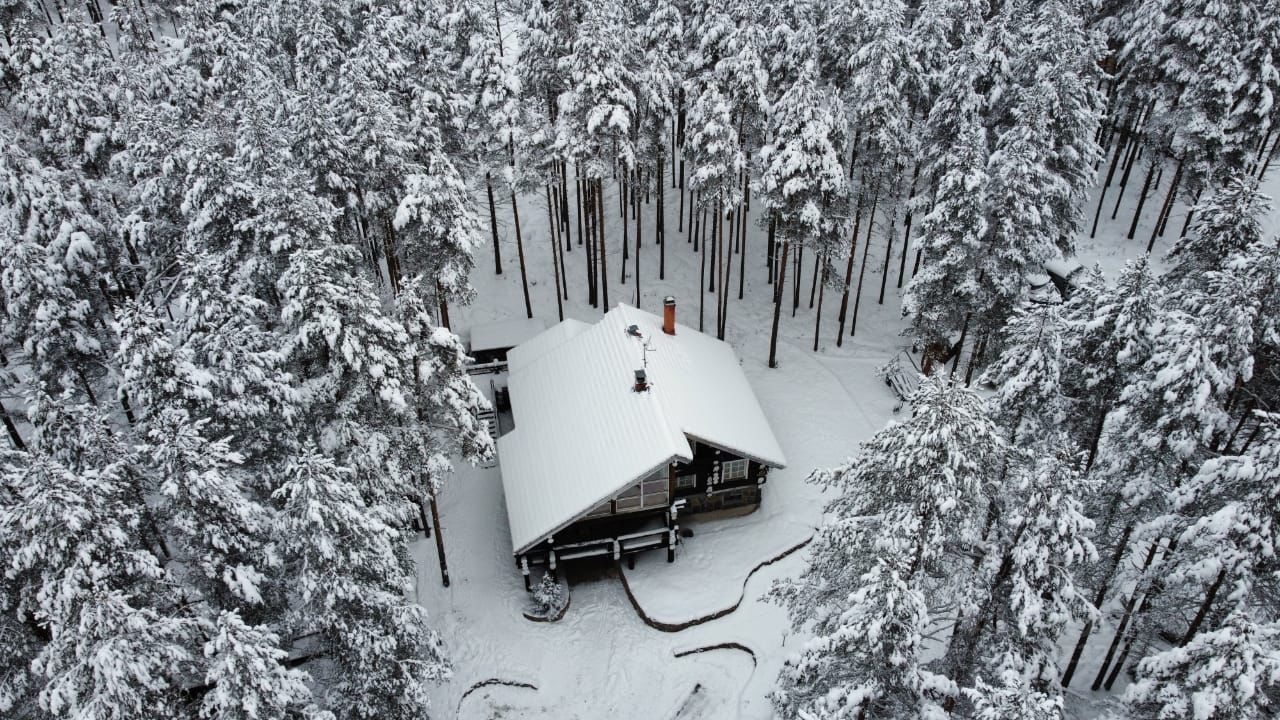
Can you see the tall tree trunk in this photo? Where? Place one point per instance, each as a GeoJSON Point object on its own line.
{"type": "Point", "coordinates": [660, 224]}
{"type": "Point", "coordinates": [603, 247]}
{"type": "Point", "coordinates": [444, 306]}
{"type": "Point", "coordinates": [1099, 597]}
{"type": "Point", "coordinates": [795, 296]}
{"type": "Point", "coordinates": [702, 275]}
{"type": "Point", "coordinates": [848, 270]}
{"type": "Point", "coordinates": [742, 243]}
{"type": "Point", "coordinates": [1203, 612]}
{"type": "Point", "coordinates": [777, 305]}
{"type": "Point", "coordinates": [728, 275]}
{"type": "Point", "coordinates": [1124, 619]}
{"type": "Point", "coordinates": [862, 270]}
{"type": "Point", "coordinates": [813, 282]}
{"type": "Point", "coordinates": [493, 226]}
{"type": "Point", "coordinates": [1129, 161]}
{"type": "Point", "coordinates": [556, 252]}
{"type": "Point", "coordinates": [624, 196]}
{"type": "Point", "coordinates": [906, 226]}
{"type": "Point", "coordinates": [680, 215]}
{"type": "Point", "coordinates": [14, 436]}
{"type": "Point", "coordinates": [694, 229]}
{"type": "Point", "coordinates": [524, 276]}
{"type": "Point", "coordinates": [716, 234]}
{"type": "Point", "coordinates": [1142, 198]}
{"type": "Point", "coordinates": [1166, 209]}
{"type": "Point", "coordinates": [817, 321]}
{"type": "Point", "coordinates": [1266, 164]}
{"type": "Point", "coordinates": [770, 248]}
{"type": "Point", "coordinates": [639, 234]}
{"type": "Point", "coordinates": [589, 215]}
{"type": "Point", "coordinates": [888, 255]}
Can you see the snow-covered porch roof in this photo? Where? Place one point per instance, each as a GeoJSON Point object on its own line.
{"type": "Point", "coordinates": [504, 334]}
{"type": "Point", "coordinates": [582, 434]}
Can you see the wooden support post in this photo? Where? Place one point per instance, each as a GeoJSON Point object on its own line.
{"type": "Point", "coordinates": [524, 570]}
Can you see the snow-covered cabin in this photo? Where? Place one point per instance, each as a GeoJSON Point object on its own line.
{"type": "Point", "coordinates": [491, 342]}
{"type": "Point", "coordinates": [620, 427]}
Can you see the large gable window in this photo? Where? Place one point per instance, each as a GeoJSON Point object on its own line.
{"type": "Point", "coordinates": [733, 470]}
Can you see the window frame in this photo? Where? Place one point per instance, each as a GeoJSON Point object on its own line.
{"type": "Point", "coordinates": [740, 462]}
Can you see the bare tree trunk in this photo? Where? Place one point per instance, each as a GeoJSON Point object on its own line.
{"type": "Point", "coordinates": [14, 436]}
{"type": "Point", "coordinates": [1129, 162]}
{"type": "Point", "coordinates": [639, 233]}
{"type": "Point", "coordinates": [603, 248]}
{"type": "Point", "coordinates": [702, 276]}
{"type": "Point", "coordinates": [795, 297]}
{"type": "Point", "coordinates": [742, 242]}
{"type": "Point", "coordinates": [862, 270]}
{"type": "Point", "coordinates": [1142, 198]}
{"type": "Point", "coordinates": [848, 270]}
{"type": "Point", "coordinates": [906, 234]}
{"type": "Point", "coordinates": [524, 276]}
{"type": "Point", "coordinates": [1203, 612]}
{"type": "Point", "coordinates": [1124, 620]}
{"type": "Point", "coordinates": [694, 229]}
{"type": "Point", "coordinates": [444, 306]}
{"type": "Point", "coordinates": [771, 247]}
{"type": "Point", "coordinates": [661, 221]}
{"type": "Point", "coordinates": [1266, 165]}
{"type": "Point", "coordinates": [556, 252]}
{"type": "Point", "coordinates": [777, 306]}
{"type": "Point", "coordinates": [1099, 597]}
{"type": "Point", "coordinates": [817, 322]}
{"type": "Point", "coordinates": [588, 219]}
{"type": "Point", "coordinates": [1166, 208]}
{"type": "Point", "coordinates": [493, 225]}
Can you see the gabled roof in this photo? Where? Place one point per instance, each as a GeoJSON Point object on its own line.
{"type": "Point", "coordinates": [505, 333]}
{"type": "Point", "coordinates": [582, 434]}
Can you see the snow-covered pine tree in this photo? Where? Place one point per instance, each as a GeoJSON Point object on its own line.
{"type": "Point", "coordinates": [88, 560]}
{"type": "Point", "coordinates": [1227, 223]}
{"type": "Point", "coordinates": [803, 188]}
{"type": "Point", "coordinates": [1198, 61]}
{"type": "Point", "coordinates": [951, 288]}
{"type": "Point", "coordinates": [938, 29]}
{"type": "Point", "coordinates": [1228, 527]}
{"type": "Point", "coordinates": [348, 585]}
{"type": "Point", "coordinates": [1229, 673]}
{"type": "Point", "coordinates": [596, 117]}
{"type": "Point", "coordinates": [917, 491]}
{"type": "Point", "coordinates": [1026, 593]}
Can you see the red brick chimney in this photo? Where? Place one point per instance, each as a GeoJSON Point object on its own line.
{"type": "Point", "coordinates": [669, 315]}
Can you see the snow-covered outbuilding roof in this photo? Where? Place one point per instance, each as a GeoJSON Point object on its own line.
{"type": "Point", "coordinates": [504, 333]}
{"type": "Point", "coordinates": [582, 434]}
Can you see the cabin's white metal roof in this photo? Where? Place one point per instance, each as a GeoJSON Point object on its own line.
{"type": "Point", "coordinates": [505, 333]}
{"type": "Point", "coordinates": [581, 432]}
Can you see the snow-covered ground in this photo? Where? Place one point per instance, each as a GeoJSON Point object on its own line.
{"type": "Point", "coordinates": [602, 659]}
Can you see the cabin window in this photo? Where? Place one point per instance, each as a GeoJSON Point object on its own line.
{"type": "Point", "coordinates": [733, 469]}
{"type": "Point", "coordinates": [686, 482]}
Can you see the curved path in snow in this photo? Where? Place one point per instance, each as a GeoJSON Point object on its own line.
{"type": "Point", "coordinates": [677, 627]}
{"type": "Point", "coordinates": [488, 683]}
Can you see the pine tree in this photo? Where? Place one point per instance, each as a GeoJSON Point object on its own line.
{"type": "Point", "coordinates": [802, 185]}
{"type": "Point", "coordinates": [1227, 673]}
{"type": "Point", "coordinates": [951, 289]}
{"type": "Point", "coordinates": [917, 490]}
